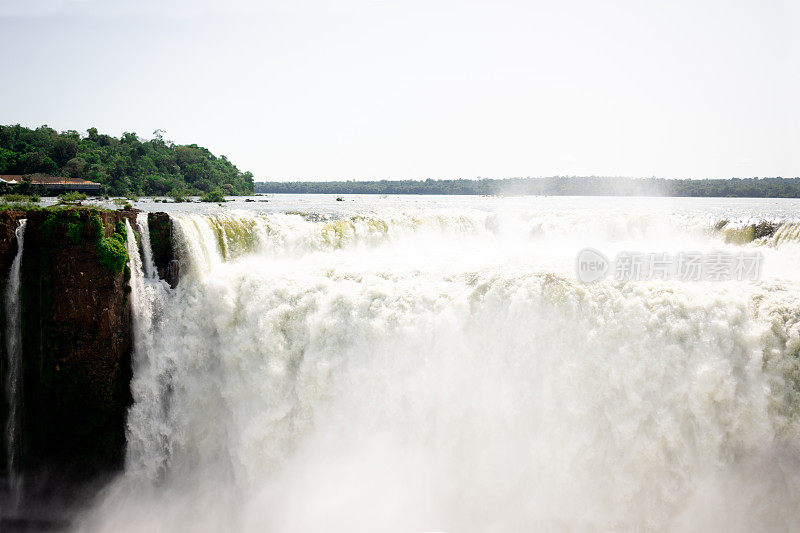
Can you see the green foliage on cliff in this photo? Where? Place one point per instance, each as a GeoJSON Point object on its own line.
{"type": "Point", "coordinates": [125, 166]}
{"type": "Point", "coordinates": [111, 250]}
{"type": "Point", "coordinates": [84, 226]}
{"type": "Point", "coordinates": [75, 228]}
{"type": "Point", "coordinates": [95, 225]}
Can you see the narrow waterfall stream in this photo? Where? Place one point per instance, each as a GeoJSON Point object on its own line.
{"type": "Point", "coordinates": [13, 377]}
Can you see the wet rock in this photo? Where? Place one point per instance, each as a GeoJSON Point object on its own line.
{"type": "Point", "coordinates": [764, 229]}
{"type": "Point", "coordinates": [161, 243]}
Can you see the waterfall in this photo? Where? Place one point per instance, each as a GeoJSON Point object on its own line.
{"type": "Point", "coordinates": [446, 371]}
{"type": "Point", "coordinates": [147, 249]}
{"type": "Point", "coordinates": [13, 378]}
{"type": "Point", "coordinates": [149, 295]}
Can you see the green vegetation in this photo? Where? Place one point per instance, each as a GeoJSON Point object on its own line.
{"type": "Point", "coordinates": [71, 197]}
{"type": "Point", "coordinates": [21, 198]}
{"type": "Point", "coordinates": [5, 206]}
{"type": "Point", "coordinates": [17, 202]}
{"type": "Point", "coordinates": [112, 251]}
{"type": "Point", "coordinates": [213, 196]}
{"type": "Point", "coordinates": [554, 186]}
{"type": "Point", "coordinates": [15, 197]}
{"type": "Point", "coordinates": [86, 225]}
{"type": "Point", "coordinates": [123, 204]}
{"type": "Point", "coordinates": [125, 166]}
{"type": "Point", "coordinates": [178, 197]}
{"type": "Point", "coordinates": [76, 229]}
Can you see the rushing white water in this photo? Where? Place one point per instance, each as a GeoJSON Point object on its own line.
{"type": "Point", "coordinates": [442, 369]}
{"type": "Point", "coordinates": [148, 297]}
{"type": "Point", "coordinates": [148, 267]}
{"type": "Point", "coordinates": [13, 381]}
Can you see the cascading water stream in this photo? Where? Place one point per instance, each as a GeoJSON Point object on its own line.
{"type": "Point", "coordinates": [446, 371]}
{"type": "Point", "coordinates": [148, 266]}
{"type": "Point", "coordinates": [13, 378]}
{"type": "Point", "coordinates": [148, 297]}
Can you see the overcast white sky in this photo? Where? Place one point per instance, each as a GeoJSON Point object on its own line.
{"type": "Point", "coordinates": [354, 89]}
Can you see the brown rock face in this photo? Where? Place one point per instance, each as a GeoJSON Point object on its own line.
{"type": "Point", "coordinates": [9, 220]}
{"type": "Point", "coordinates": [163, 250]}
{"type": "Point", "coordinates": [76, 343]}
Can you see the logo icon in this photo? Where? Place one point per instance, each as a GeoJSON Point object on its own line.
{"type": "Point", "coordinates": [591, 265]}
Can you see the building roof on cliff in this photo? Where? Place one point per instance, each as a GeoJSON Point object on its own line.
{"type": "Point", "coordinates": [45, 180]}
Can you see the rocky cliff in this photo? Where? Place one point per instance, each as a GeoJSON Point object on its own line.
{"type": "Point", "coordinates": [76, 343]}
{"type": "Point", "coordinates": [76, 340]}
{"type": "Point", "coordinates": [161, 242]}
{"type": "Point", "coordinates": [75, 323]}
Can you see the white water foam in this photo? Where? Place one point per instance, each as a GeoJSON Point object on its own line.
{"type": "Point", "coordinates": [448, 373]}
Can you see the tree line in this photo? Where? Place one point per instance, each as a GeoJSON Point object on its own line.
{"type": "Point", "coordinates": [124, 166]}
{"type": "Point", "coordinates": [777, 187]}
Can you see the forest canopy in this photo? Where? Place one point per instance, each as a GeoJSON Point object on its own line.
{"type": "Point", "coordinates": [554, 186]}
{"type": "Point", "coordinates": [124, 166]}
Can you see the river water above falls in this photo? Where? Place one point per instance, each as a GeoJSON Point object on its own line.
{"type": "Point", "coordinates": [421, 364]}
